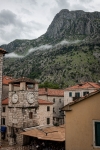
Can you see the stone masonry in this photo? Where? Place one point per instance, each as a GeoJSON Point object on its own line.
{"type": "Point", "coordinates": [22, 112]}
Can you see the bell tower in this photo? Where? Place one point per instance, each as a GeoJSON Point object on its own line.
{"type": "Point", "coordinates": [23, 104]}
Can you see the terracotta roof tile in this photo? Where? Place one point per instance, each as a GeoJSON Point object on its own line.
{"type": "Point", "coordinates": [40, 101]}
{"type": "Point", "coordinates": [5, 101]}
{"type": "Point", "coordinates": [42, 91]}
{"type": "Point", "coordinates": [44, 102]}
{"type": "Point", "coordinates": [51, 92]}
{"type": "Point", "coordinates": [84, 85]}
{"type": "Point", "coordinates": [55, 92]}
{"type": "Point", "coordinates": [23, 79]}
{"type": "Point", "coordinates": [7, 79]}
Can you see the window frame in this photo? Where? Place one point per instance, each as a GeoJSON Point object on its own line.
{"type": "Point", "coordinates": [85, 93]}
{"type": "Point", "coordinates": [70, 94]}
{"type": "Point", "coordinates": [77, 94]}
{"type": "Point", "coordinates": [94, 140]}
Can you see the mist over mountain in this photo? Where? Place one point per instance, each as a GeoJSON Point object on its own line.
{"type": "Point", "coordinates": [68, 53]}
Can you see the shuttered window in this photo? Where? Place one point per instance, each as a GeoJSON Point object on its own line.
{"type": "Point", "coordinates": [97, 133]}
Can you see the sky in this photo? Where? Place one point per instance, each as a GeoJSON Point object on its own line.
{"type": "Point", "coordinates": [29, 19]}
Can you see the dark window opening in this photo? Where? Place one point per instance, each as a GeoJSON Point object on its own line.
{"type": "Point", "coordinates": [48, 108]}
{"type": "Point", "coordinates": [30, 115]}
{"type": "Point", "coordinates": [77, 94]}
{"type": "Point", "coordinates": [59, 100]}
{"type": "Point", "coordinates": [54, 100]}
{"type": "Point", "coordinates": [97, 133]}
{"type": "Point", "coordinates": [48, 120]}
{"type": "Point", "coordinates": [3, 109]}
{"type": "Point", "coordinates": [70, 94]}
{"type": "Point", "coordinates": [3, 121]}
{"type": "Point", "coordinates": [85, 93]}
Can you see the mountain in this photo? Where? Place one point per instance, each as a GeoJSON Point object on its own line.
{"type": "Point", "coordinates": [68, 53]}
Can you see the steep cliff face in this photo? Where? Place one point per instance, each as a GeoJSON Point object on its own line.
{"type": "Point", "coordinates": [70, 23]}
{"type": "Point", "coordinates": [65, 62]}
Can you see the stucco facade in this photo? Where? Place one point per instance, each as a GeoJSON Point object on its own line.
{"type": "Point", "coordinates": [56, 96]}
{"type": "Point", "coordinates": [80, 90]}
{"type": "Point", "coordinates": [80, 123]}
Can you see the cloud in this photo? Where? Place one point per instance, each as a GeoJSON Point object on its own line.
{"type": "Point", "coordinates": [63, 4]}
{"type": "Point", "coordinates": [42, 47]}
{"type": "Point", "coordinates": [7, 17]}
{"type": "Point", "coordinates": [85, 1]}
{"type": "Point", "coordinates": [13, 55]}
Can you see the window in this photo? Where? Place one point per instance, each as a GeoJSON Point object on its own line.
{"type": "Point", "coordinates": [48, 108]}
{"type": "Point", "coordinates": [77, 94]}
{"type": "Point", "coordinates": [97, 133]}
{"type": "Point", "coordinates": [3, 109]}
{"type": "Point", "coordinates": [30, 115]}
{"type": "Point", "coordinates": [59, 100]}
{"type": "Point", "coordinates": [3, 121]}
{"type": "Point", "coordinates": [85, 93]}
{"type": "Point", "coordinates": [70, 94]}
{"type": "Point", "coordinates": [48, 120]}
{"type": "Point", "coordinates": [54, 100]}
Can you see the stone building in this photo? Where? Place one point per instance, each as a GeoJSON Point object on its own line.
{"type": "Point", "coordinates": [57, 97]}
{"type": "Point", "coordinates": [2, 52]}
{"type": "Point", "coordinates": [22, 108]}
{"type": "Point", "coordinates": [18, 111]}
{"type": "Point", "coordinates": [79, 90]}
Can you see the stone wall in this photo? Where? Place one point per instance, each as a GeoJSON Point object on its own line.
{"type": "Point", "coordinates": [1, 64]}
{"type": "Point", "coordinates": [43, 114]}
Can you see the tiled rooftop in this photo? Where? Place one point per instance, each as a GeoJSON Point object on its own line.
{"type": "Point", "coordinates": [40, 101]}
{"type": "Point", "coordinates": [84, 85]}
{"type": "Point", "coordinates": [5, 101]}
{"type": "Point", "coordinates": [51, 92]}
{"type": "Point", "coordinates": [6, 79]}
{"type": "Point", "coordinates": [23, 79]}
{"type": "Point", "coordinates": [44, 102]}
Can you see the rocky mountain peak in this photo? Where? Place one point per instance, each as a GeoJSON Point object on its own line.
{"type": "Point", "coordinates": [69, 23]}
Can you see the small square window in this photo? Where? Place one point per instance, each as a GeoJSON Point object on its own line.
{"type": "Point", "coordinates": [85, 93]}
{"type": "Point", "coordinates": [70, 94]}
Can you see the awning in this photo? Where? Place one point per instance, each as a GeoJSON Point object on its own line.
{"type": "Point", "coordinates": [49, 133]}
